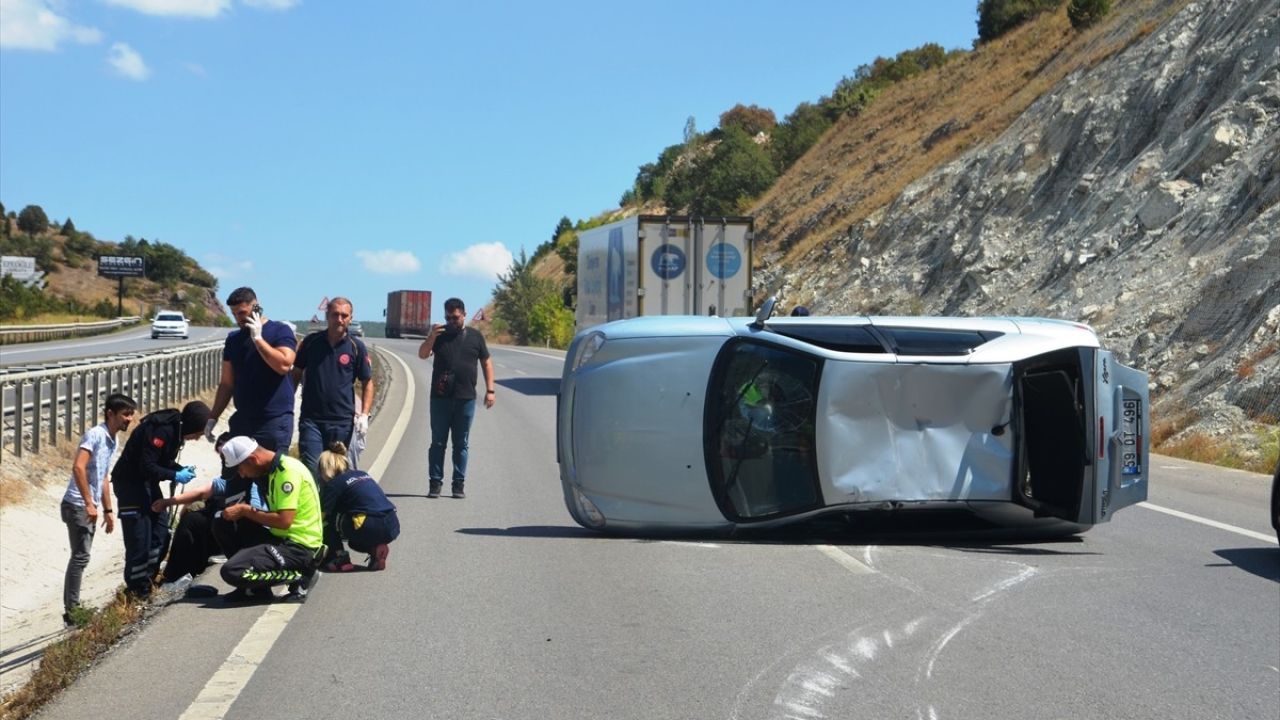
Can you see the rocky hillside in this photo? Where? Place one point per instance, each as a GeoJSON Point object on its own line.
{"type": "Point", "coordinates": [1130, 181]}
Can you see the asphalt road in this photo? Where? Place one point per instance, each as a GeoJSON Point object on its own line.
{"type": "Point", "coordinates": [498, 606]}
{"type": "Point", "coordinates": [136, 339]}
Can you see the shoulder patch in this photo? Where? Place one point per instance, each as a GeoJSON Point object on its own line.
{"type": "Point", "coordinates": [157, 441]}
{"type": "Point", "coordinates": [344, 359]}
{"type": "Point", "coordinates": [286, 488]}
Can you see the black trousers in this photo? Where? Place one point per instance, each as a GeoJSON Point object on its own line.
{"type": "Point", "coordinates": [191, 547]}
{"type": "Point", "coordinates": [268, 564]}
{"type": "Point", "coordinates": [232, 536]}
{"type": "Point", "coordinates": [146, 538]}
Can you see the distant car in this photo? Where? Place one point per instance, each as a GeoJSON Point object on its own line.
{"type": "Point", "coordinates": [355, 329]}
{"type": "Point", "coordinates": [168, 323]}
{"type": "Point", "coordinates": [705, 423]}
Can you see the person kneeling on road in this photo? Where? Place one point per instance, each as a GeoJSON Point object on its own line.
{"type": "Point", "coordinates": [292, 516]}
{"type": "Point", "coordinates": [355, 509]}
{"type": "Point", "coordinates": [201, 531]}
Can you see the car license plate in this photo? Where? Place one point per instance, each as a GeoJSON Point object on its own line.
{"type": "Point", "coordinates": [1130, 437]}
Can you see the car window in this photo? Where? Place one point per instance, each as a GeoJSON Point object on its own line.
{"type": "Point", "coordinates": [842, 338]}
{"type": "Point", "coordinates": [760, 431]}
{"type": "Point", "coordinates": [169, 317]}
{"type": "Point", "coordinates": [930, 341]}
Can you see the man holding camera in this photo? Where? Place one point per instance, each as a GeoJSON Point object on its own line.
{"type": "Point", "coordinates": [457, 350]}
{"type": "Point", "coordinates": [256, 361]}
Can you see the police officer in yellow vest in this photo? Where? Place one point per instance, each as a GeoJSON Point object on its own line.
{"type": "Point", "coordinates": [292, 516]}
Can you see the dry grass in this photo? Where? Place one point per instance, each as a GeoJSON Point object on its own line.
{"type": "Point", "coordinates": [866, 162]}
{"type": "Point", "coordinates": [1249, 363]}
{"type": "Point", "coordinates": [1258, 454]}
{"type": "Point", "coordinates": [66, 659]}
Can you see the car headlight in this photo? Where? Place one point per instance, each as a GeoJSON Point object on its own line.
{"type": "Point", "coordinates": [589, 346]}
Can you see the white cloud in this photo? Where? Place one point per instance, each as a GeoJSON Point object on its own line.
{"type": "Point", "coordinates": [175, 8]}
{"type": "Point", "coordinates": [195, 69]}
{"type": "Point", "coordinates": [226, 268]}
{"type": "Point", "coordinates": [485, 260]}
{"type": "Point", "coordinates": [34, 25]}
{"type": "Point", "coordinates": [272, 4]}
{"type": "Point", "coordinates": [128, 62]}
{"type": "Point", "coordinates": [389, 262]}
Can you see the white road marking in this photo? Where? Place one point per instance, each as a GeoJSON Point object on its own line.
{"type": "Point", "coordinates": [848, 561]}
{"type": "Point", "coordinates": [557, 358]}
{"type": "Point", "coordinates": [224, 687]}
{"type": "Point", "coordinates": [215, 700]}
{"type": "Point", "coordinates": [1211, 523]}
{"type": "Point", "coordinates": [690, 543]}
{"type": "Point", "coordinates": [108, 341]}
{"type": "Point", "coordinates": [402, 421]}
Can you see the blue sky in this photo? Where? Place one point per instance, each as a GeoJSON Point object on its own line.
{"type": "Point", "coordinates": [312, 148]}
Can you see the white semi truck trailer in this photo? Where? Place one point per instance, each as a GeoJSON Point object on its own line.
{"type": "Point", "coordinates": [664, 265]}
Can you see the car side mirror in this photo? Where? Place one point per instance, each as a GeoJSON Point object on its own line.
{"type": "Point", "coordinates": [766, 312]}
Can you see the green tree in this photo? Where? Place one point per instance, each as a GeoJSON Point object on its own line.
{"type": "Point", "coordinates": [690, 130]}
{"type": "Point", "coordinates": [751, 119]}
{"type": "Point", "coordinates": [562, 227]}
{"type": "Point", "coordinates": [798, 132]}
{"type": "Point", "coordinates": [567, 249]}
{"type": "Point", "coordinates": [1083, 13]}
{"type": "Point", "coordinates": [518, 292]}
{"type": "Point", "coordinates": [550, 322]}
{"type": "Point", "coordinates": [68, 228]}
{"type": "Point", "coordinates": [738, 171]}
{"type": "Point", "coordinates": [997, 17]}
{"type": "Point", "coordinates": [32, 220]}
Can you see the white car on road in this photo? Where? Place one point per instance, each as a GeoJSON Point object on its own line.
{"type": "Point", "coordinates": [704, 423]}
{"type": "Point", "coordinates": [169, 323]}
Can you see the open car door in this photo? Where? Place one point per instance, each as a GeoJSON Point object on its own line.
{"type": "Point", "coordinates": [1083, 431]}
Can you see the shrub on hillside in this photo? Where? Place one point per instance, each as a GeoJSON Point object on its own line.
{"type": "Point", "coordinates": [32, 220]}
{"type": "Point", "coordinates": [737, 172]}
{"type": "Point", "coordinates": [997, 17]}
{"type": "Point", "coordinates": [750, 119]}
{"type": "Point", "coordinates": [1083, 13]}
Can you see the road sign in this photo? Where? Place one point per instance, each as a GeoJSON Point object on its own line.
{"type": "Point", "coordinates": [324, 304]}
{"type": "Point", "coordinates": [22, 268]}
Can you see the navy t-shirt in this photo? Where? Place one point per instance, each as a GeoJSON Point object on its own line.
{"type": "Point", "coordinates": [353, 492]}
{"type": "Point", "coordinates": [331, 370]}
{"type": "Point", "coordinates": [259, 391]}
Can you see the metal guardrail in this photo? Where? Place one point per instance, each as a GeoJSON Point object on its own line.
{"type": "Point", "coordinates": [10, 334]}
{"type": "Point", "coordinates": [61, 403]}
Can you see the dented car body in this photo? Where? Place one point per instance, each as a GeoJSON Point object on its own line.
{"type": "Point", "coordinates": [706, 423]}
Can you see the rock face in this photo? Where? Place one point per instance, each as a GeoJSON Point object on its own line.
{"type": "Point", "coordinates": [1139, 196]}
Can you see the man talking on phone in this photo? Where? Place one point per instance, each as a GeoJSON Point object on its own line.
{"type": "Point", "coordinates": [256, 360]}
{"type": "Point", "coordinates": [457, 350]}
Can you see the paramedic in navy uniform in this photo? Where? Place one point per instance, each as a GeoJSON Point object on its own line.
{"type": "Point", "coordinates": [332, 360]}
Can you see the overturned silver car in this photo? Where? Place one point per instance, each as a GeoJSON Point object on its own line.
{"type": "Point", "coordinates": [707, 423]}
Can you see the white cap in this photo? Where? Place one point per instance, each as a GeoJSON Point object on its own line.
{"type": "Point", "coordinates": [235, 450]}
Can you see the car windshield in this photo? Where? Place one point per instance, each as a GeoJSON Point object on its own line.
{"type": "Point", "coordinates": [760, 431]}
{"type": "Point", "coordinates": [169, 317]}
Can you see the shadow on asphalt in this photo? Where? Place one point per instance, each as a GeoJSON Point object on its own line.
{"type": "Point", "coordinates": [532, 385]}
{"type": "Point", "coordinates": [985, 539]}
{"type": "Point", "coordinates": [1263, 562]}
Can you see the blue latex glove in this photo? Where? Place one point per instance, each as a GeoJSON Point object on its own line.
{"type": "Point", "coordinates": [185, 475]}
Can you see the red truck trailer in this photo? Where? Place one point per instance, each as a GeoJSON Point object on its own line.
{"type": "Point", "coordinates": [408, 313]}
